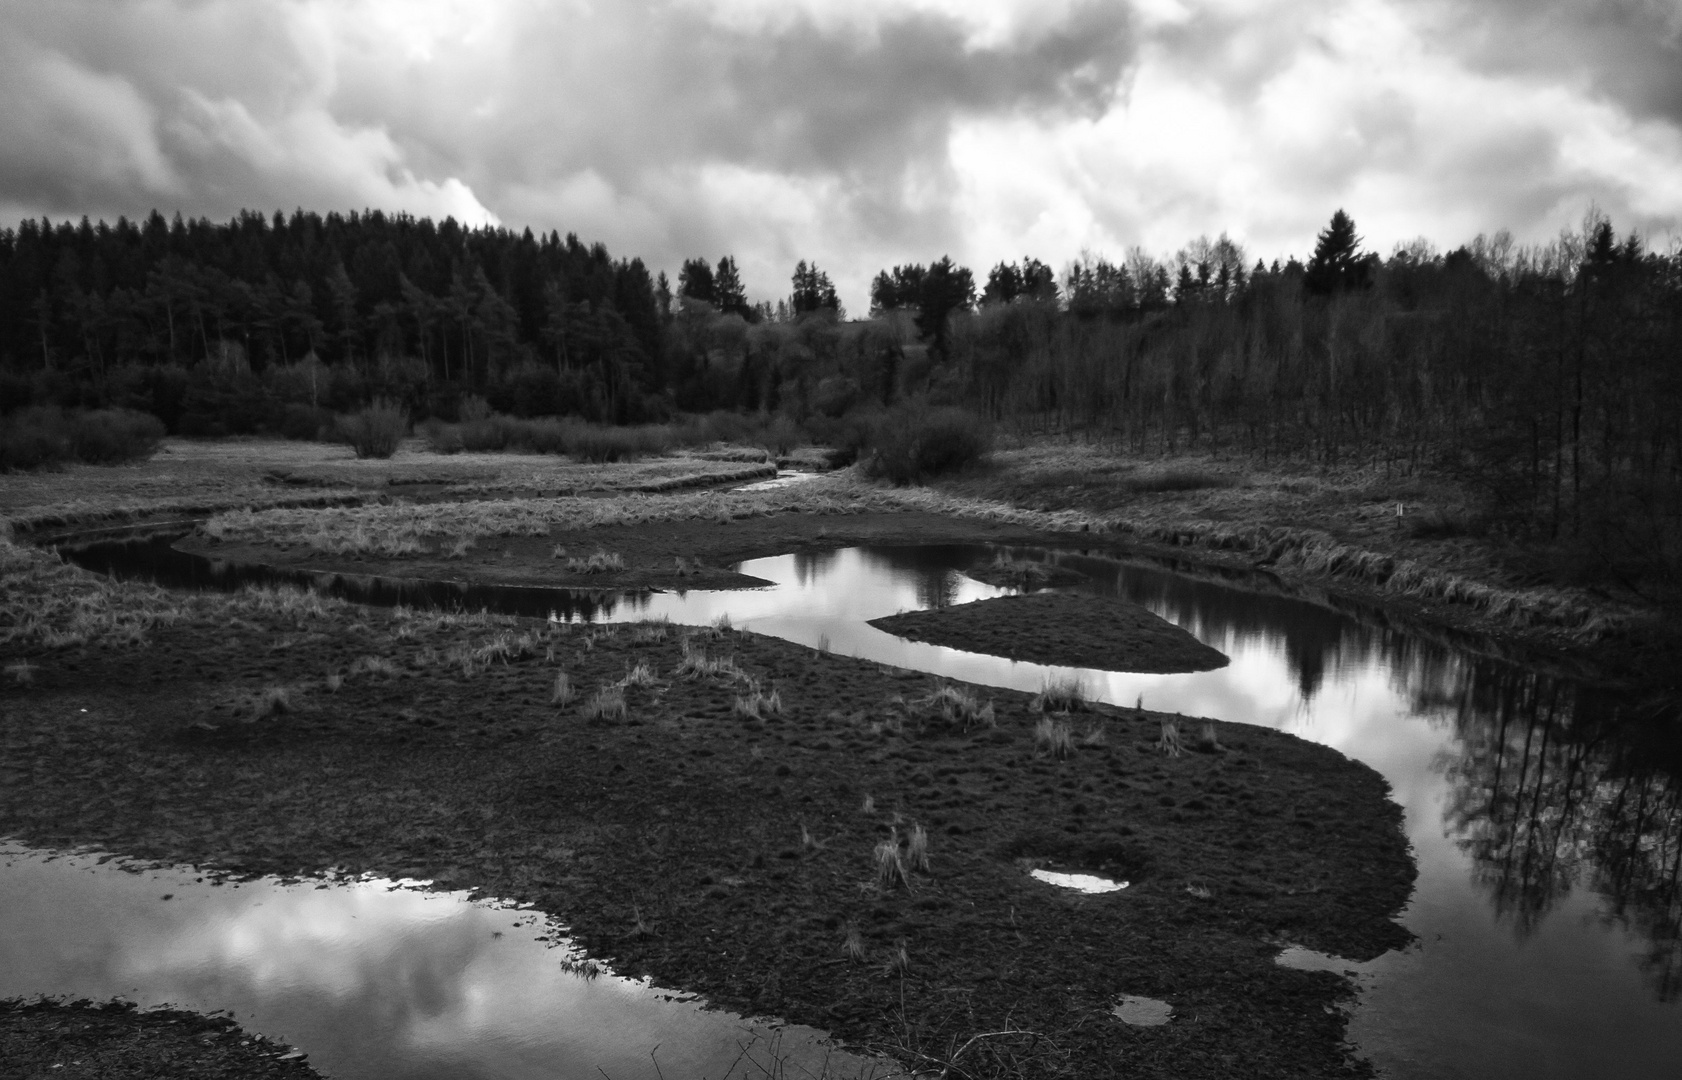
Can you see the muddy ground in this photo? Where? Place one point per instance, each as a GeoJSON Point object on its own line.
{"type": "Point", "coordinates": [731, 853]}
{"type": "Point", "coordinates": [1063, 629]}
{"type": "Point", "coordinates": [101, 1042]}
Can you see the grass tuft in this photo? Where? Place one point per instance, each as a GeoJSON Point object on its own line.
{"type": "Point", "coordinates": [958, 706]}
{"type": "Point", "coordinates": [598, 562]}
{"type": "Point", "coordinates": [853, 946]}
{"type": "Point", "coordinates": [1207, 743]}
{"type": "Point", "coordinates": [564, 693]}
{"type": "Point", "coordinates": [640, 675]}
{"type": "Point", "coordinates": [1052, 736]}
{"type": "Point", "coordinates": [757, 704]}
{"type": "Point", "coordinates": [1170, 742]}
{"type": "Point", "coordinates": [890, 865]}
{"type": "Point", "coordinates": [1065, 694]}
{"type": "Point", "coordinates": [22, 672]}
{"type": "Point", "coordinates": [917, 849]}
{"type": "Point", "coordinates": [606, 705]}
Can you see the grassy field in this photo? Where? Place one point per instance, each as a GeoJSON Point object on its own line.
{"type": "Point", "coordinates": [194, 477]}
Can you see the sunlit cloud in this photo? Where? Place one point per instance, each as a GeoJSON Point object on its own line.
{"type": "Point", "coordinates": [857, 134]}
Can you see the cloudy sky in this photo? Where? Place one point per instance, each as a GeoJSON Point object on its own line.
{"type": "Point", "coordinates": [858, 133]}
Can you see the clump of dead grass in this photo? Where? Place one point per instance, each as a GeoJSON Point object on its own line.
{"type": "Point", "coordinates": [757, 703]}
{"type": "Point", "coordinates": [606, 705]}
{"type": "Point", "coordinates": [1170, 741]}
{"type": "Point", "coordinates": [1061, 694]}
{"type": "Point", "coordinates": [1052, 736]}
{"type": "Point", "coordinates": [958, 706]}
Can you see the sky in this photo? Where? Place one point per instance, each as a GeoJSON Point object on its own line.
{"type": "Point", "coordinates": [863, 133]}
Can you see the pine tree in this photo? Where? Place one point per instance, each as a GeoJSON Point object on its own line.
{"type": "Point", "coordinates": [728, 293]}
{"type": "Point", "coordinates": [1337, 264]}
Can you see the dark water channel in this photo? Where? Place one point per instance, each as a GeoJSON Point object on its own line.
{"type": "Point", "coordinates": [1548, 836]}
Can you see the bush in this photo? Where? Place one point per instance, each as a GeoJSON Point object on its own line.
{"type": "Point", "coordinates": [376, 431]}
{"type": "Point", "coordinates": [912, 443]}
{"type": "Point", "coordinates": [45, 435]}
{"type": "Point", "coordinates": [108, 436]}
{"type": "Point", "coordinates": [441, 438]}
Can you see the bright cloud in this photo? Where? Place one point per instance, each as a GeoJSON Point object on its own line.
{"type": "Point", "coordinates": [857, 134]}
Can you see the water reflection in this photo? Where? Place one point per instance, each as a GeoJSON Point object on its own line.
{"type": "Point", "coordinates": [373, 983]}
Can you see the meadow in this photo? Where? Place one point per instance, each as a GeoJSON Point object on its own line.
{"type": "Point", "coordinates": [855, 837]}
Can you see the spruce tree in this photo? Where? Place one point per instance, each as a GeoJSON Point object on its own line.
{"type": "Point", "coordinates": [1337, 264]}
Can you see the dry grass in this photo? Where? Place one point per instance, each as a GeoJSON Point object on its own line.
{"type": "Point", "coordinates": [852, 947]}
{"type": "Point", "coordinates": [1170, 742]}
{"type": "Point", "coordinates": [1061, 694]}
{"type": "Point", "coordinates": [959, 706]}
{"type": "Point", "coordinates": [606, 705]}
{"type": "Point", "coordinates": [917, 849]}
{"type": "Point", "coordinates": [890, 864]}
{"type": "Point", "coordinates": [696, 664]}
{"type": "Point", "coordinates": [1213, 504]}
{"type": "Point", "coordinates": [642, 675]}
{"type": "Point", "coordinates": [598, 562]}
{"type": "Point", "coordinates": [563, 694]}
{"type": "Point", "coordinates": [200, 477]}
{"type": "Point", "coordinates": [757, 704]}
{"type": "Point", "coordinates": [1053, 737]}
{"type": "Point", "coordinates": [47, 603]}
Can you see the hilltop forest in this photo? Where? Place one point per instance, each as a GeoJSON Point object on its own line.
{"type": "Point", "coordinates": [1550, 377]}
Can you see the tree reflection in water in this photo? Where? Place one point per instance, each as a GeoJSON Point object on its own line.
{"type": "Point", "coordinates": [1554, 787]}
{"type": "Point", "coordinates": [1554, 783]}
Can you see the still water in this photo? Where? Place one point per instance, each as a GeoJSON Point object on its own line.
{"type": "Point", "coordinates": [373, 981]}
{"type": "Point", "coordinates": [1548, 834]}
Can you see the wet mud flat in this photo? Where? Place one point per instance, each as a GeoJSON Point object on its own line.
{"type": "Point", "coordinates": [735, 815]}
{"type": "Point", "coordinates": [1064, 629]}
{"type": "Point", "coordinates": [115, 1040]}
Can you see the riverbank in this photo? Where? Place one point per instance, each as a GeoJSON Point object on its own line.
{"type": "Point", "coordinates": [118, 1042]}
{"type": "Point", "coordinates": [1414, 544]}
{"type": "Point", "coordinates": [722, 832]}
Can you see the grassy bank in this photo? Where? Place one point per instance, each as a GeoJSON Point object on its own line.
{"type": "Point", "coordinates": [1267, 523]}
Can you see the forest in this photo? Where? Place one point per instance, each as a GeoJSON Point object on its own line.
{"type": "Point", "coordinates": [1549, 377]}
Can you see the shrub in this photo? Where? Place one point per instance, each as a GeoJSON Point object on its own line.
{"type": "Point", "coordinates": [46, 435]}
{"type": "Point", "coordinates": [441, 438]}
{"type": "Point", "coordinates": [914, 443]}
{"type": "Point", "coordinates": [377, 430]}
{"type": "Point", "coordinates": [106, 436]}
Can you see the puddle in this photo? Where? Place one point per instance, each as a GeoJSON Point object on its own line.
{"type": "Point", "coordinates": [1548, 905]}
{"type": "Point", "coordinates": [784, 478]}
{"type": "Point", "coordinates": [1086, 883]}
{"type": "Point", "coordinates": [372, 981]}
{"type": "Point", "coordinates": [1142, 1011]}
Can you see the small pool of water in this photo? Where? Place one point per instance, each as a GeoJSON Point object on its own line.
{"type": "Point", "coordinates": [1142, 1011]}
{"type": "Point", "coordinates": [372, 981]}
{"type": "Point", "coordinates": [1547, 824]}
{"type": "Point", "coordinates": [1086, 883]}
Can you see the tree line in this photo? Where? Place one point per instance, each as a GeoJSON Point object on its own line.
{"type": "Point", "coordinates": [1548, 375]}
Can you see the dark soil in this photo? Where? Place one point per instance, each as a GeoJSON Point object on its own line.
{"type": "Point", "coordinates": [1064, 629]}
{"type": "Point", "coordinates": [672, 841]}
{"type": "Point", "coordinates": [118, 1042]}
